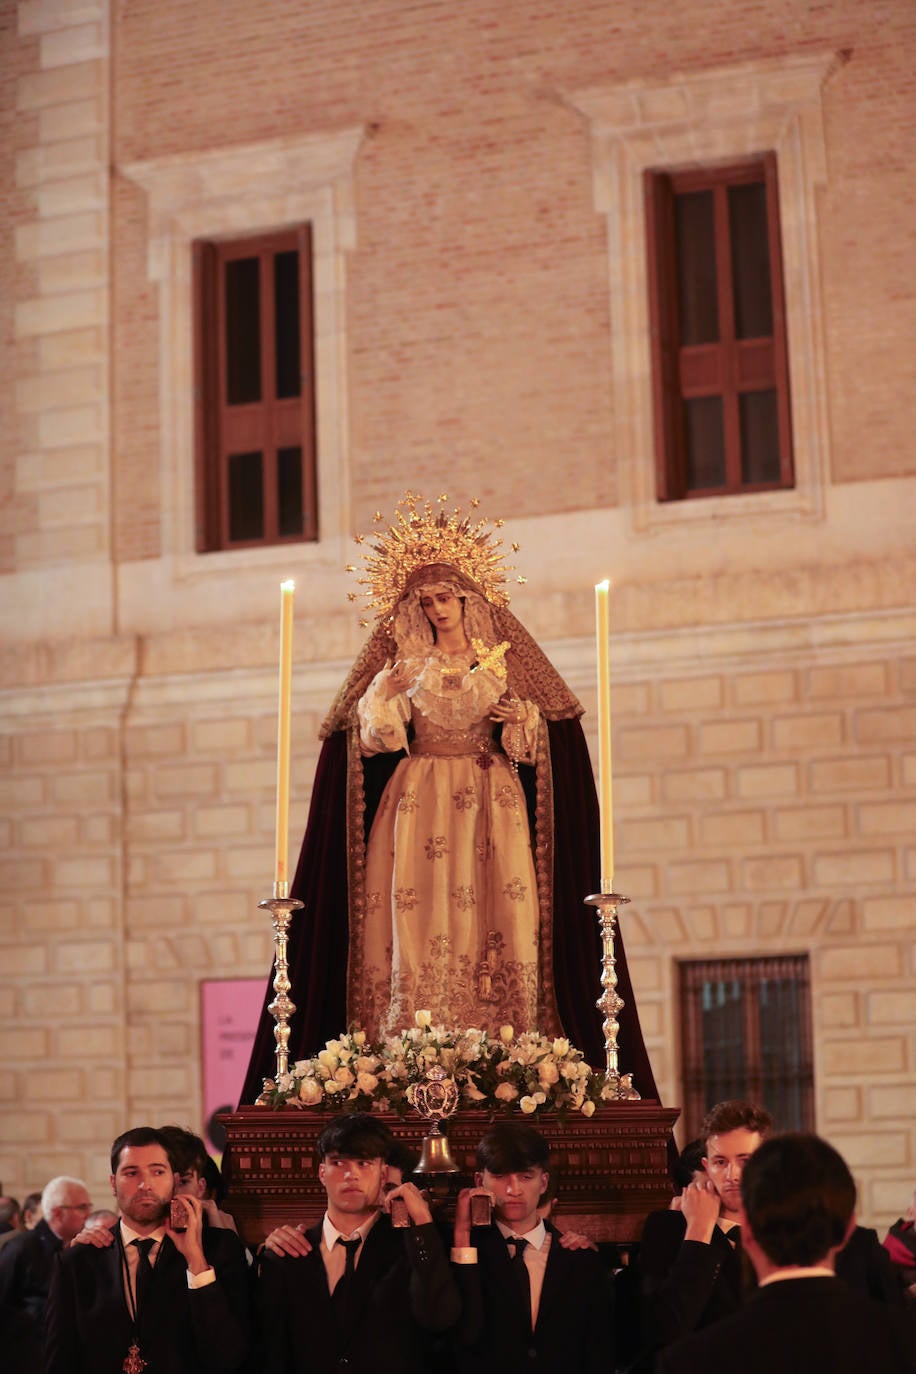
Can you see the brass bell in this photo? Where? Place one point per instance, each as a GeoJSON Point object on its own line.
{"type": "Point", "coordinates": [434, 1156]}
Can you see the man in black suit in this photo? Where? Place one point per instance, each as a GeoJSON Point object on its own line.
{"type": "Point", "coordinates": [799, 1200]}
{"type": "Point", "coordinates": [367, 1296]}
{"type": "Point", "coordinates": [152, 1294]}
{"type": "Point", "coordinates": [689, 1262]}
{"type": "Point", "coordinates": [26, 1266]}
{"type": "Point", "coordinates": [689, 1258]}
{"type": "Point", "coordinates": [528, 1302]}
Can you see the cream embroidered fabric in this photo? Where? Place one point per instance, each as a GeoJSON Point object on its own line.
{"type": "Point", "coordinates": [451, 900]}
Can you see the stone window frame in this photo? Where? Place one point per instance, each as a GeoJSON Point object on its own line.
{"type": "Point", "coordinates": [705, 118]}
{"type": "Point", "coordinates": [229, 193]}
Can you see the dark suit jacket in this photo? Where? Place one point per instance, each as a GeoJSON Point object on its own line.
{"type": "Point", "coordinates": [687, 1286]}
{"type": "Point", "coordinates": [684, 1284]}
{"type": "Point", "coordinates": [402, 1288]}
{"type": "Point", "coordinates": [26, 1266]}
{"type": "Point", "coordinates": [801, 1326]}
{"type": "Point", "coordinates": [204, 1331]}
{"type": "Point", "coordinates": [865, 1265]}
{"type": "Point", "coordinates": [575, 1326]}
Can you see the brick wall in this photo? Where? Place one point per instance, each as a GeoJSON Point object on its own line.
{"type": "Point", "coordinates": [764, 684]}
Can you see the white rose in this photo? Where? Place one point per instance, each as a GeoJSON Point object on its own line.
{"type": "Point", "coordinates": [528, 1105]}
{"type": "Point", "coordinates": [332, 1086]}
{"type": "Point", "coordinates": [423, 1019]}
{"type": "Point", "coordinates": [328, 1058]}
{"type": "Point", "coordinates": [507, 1034]}
{"type": "Point", "coordinates": [588, 1108]}
{"type": "Point", "coordinates": [507, 1092]}
{"type": "Point", "coordinates": [359, 1038]}
{"type": "Point", "coordinates": [366, 1082]}
{"type": "Point", "coordinates": [561, 1048]}
{"type": "Point", "coordinates": [343, 1076]}
{"type": "Point", "coordinates": [548, 1072]}
{"type": "Point", "coordinates": [310, 1092]}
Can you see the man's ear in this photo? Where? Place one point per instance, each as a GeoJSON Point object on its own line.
{"type": "Point", "coordinates": [478, 1180]}
{"type": "Point", "coordinates": [111, 1180]}
{"type": "Point", "coordinates": [544, 1183]}
{"type": "Point", "coordinates": [321, 1171]}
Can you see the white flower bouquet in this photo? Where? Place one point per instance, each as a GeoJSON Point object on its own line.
{"type": "Point", "coordinates": [529, 1073]}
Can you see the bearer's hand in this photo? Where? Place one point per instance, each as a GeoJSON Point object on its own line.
{"type": "Point", "coordinates": [700, 1205]}
{"type": "Point", "coordinates": [462, 1238]}
{"type": "Point", "coordinates": [417, 1206]}
{"type": "Point", "coordinates": [571, 1240]}
{"type": "Point", "coordinates": [99, 1236]}
{"type": "Point", "coordinates": [288, 1240]}
{"type": "Point", "coordinates": [189, 1243]}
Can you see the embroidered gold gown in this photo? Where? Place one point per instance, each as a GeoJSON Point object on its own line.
{"type": "Point", "coordinates": [451, 896]}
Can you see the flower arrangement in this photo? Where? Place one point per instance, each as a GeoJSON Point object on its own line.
{"type": "Point", "coordinates": [529, 1072]}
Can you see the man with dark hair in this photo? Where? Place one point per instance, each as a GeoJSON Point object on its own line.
{"type": "Point", "coordinates": [10, 1215]}
{"type": "Point", "coordinates": [688, 1167]}
{"type": "Point", "coordinates": [194, 1168]}
{"type": "Point", "coordinates": [528, 1301]}
{"type": "Point", "coordinates": [689, 1262]}
{"type": "Point", "coordinates": [172, 1297]}
{"type": "Point", "coordinates": [30, 1216]}
{"type": "Point", "coordinates": [367, 1295]}
{"type": "Point", "coordinates": [293, 1240]}
{"type": "Point", "coordinates": [798, 1211]}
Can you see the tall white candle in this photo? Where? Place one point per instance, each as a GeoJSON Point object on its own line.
{"type": "Point", "coordinates": [605, 784]}
{"type": "Point", "coordinates": [283, 729]}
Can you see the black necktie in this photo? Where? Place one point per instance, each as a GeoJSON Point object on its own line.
{"type": "Point", "coordinates": [144, 1268]}
{"type": "Point", "coordinates": [520, 1270]}
{"type": "Point", "coordinates": [734, 1235]}
{"type": "Point", "coordinates": [341, 1294]}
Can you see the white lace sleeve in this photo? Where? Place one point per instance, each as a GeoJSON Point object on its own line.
{"type": "Point", "coordinates": [382, 720]}
{"type": "Point", "coordinates": [520, 741]}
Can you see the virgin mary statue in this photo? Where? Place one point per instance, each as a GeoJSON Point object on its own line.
{"type": "Point", "coordinates": [453, 830]}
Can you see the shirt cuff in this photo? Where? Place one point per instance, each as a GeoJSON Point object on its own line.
{"type": "Point", "coordinates": [203, 1279]}
{"type": "Point", "coordinates": [464, 1254]}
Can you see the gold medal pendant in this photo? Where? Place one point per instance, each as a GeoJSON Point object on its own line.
{"type": "Point", "coordinates": [134, 1362]}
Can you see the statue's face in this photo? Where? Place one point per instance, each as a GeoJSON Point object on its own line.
{"type": "Point", "coordinates": [443, 609]}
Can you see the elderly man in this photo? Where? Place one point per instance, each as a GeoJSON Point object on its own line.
{"type": "Point", "coordinates": [26, 1265]}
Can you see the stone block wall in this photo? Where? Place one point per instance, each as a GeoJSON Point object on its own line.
{"type": "Point", "coordinates": [763, 675]}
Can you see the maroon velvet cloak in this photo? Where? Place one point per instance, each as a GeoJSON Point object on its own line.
{"type": "Point", "coordinates": [318, 942]}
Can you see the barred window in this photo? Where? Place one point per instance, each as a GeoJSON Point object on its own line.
{"type": "Point", "coordinates": [746, 1033]}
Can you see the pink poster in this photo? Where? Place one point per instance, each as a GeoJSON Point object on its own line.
{"type": "Point", "coordinates": [229, 1012]}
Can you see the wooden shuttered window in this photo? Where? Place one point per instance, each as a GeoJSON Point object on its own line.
{"type": "Point", "coordinates": [717, 314]}
{"type": "Point", "coordinates": [254, 391]}
{"type": "Point", "coordinates": [746, 1033]}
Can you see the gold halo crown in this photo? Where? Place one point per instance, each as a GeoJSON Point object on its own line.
{"type": "Point", "coordinates": [420, 536]}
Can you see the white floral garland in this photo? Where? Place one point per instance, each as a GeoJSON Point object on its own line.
{"type": "Point", "coordinates": [530, 1072]}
